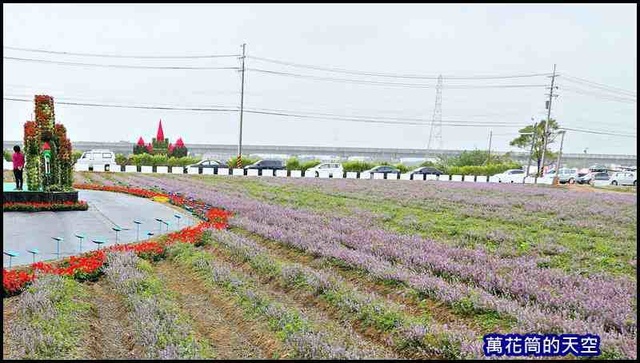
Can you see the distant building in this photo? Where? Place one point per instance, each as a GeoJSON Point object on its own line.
{"type": "Point", "coordinates": [160, 145]}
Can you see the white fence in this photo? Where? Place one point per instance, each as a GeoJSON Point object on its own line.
{"type": "Point", "coordinates": [299, 174]}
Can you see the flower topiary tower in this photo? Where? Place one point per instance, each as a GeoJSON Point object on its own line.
{"type": "Point", "coordinates": [47, 150]}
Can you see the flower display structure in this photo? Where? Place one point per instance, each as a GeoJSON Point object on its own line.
{"type": "Point", "coordinates": [47, 150]}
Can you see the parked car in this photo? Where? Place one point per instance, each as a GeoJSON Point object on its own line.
{"type": "Point", "coordinates": [98, 157]}
{"type": "Point", "coordinates": [584, 176]}
{"type": "Point", "coordinates": [567, 176]}
{"type": "Point", "coordinates": [266, 164]}
{"type": "Point", "coordinates": [600, 179]}
{"type": "Point", "coordinates": [425, 170]}
{"type": "Point", "coordinates": [207, 164]}
{"type": "Point", "coordinates": [330, 168]}
{"type": "Point", "coordinates": [384, 169]}
{"type": "Point", "coordinates": [511, 176]}
{"type": "Point", "coordinates": [624, 178]}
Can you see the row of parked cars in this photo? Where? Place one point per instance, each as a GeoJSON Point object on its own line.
{"type": "Point", "coordinates": [330, 168]}
{"type": "Point", "coordinates": [596, 177]}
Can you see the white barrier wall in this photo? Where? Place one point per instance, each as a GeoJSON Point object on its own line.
{"type": "Point", "coordinates": [309, 174]}
{"type": "Point", "coordinates": [296, 173]}
{"type": "Point", "coordinates": [469, 178]}
{"type": "Point", "coordinates": [444, 177]}
{"type": "Point", "coordinates": [238, 172]}
{"type": "Point", "coordinates": [456, 178]}
{"type": "Point", "coordinates": [192, 171]}
{"type": "Point", "coordinates": [252, 172]}
{"type": "Point", "coordinates": [323, 174]}
{"type": "Point", "coordinates": [130, 168]}
{"type": "Point", "coordinates": [431, 177]}
{"type": "Point", "coordinates": [223, 171]}
{"type": "Point", "coordinates": [352, 175]}
{"type": "Point", "coordinates": [528, 180]}
{"type": "Point", "coordinates": [493, 179]}
{"type": "Point", "coordinates": [162, 169]}
{"type": "Point", "coordinates": [281, 173]}
{"type": "Point", "coordinates": [77, 167]}
{"type": "Point", "coordinates": [481, 179]}
{"type": "Point", "coordinates": [177, 170]}
{"type": "Point", "coordinates": [406, 176]}
{"type": "Point", "coordinates": [267, 172]}
{"type": "Point", "coordinates": [98, 167]}
{"type": "Point", "coordinates": [207, 171]}
{"type": "Point", "coordinates": [378, 175]}
{"type": "Point", "coordinates": [146, 169]}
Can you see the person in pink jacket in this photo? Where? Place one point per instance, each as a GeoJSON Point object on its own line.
{"type": "Point", "coordinates": [18, 165]}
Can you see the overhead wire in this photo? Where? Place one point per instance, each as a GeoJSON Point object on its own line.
{"type": "Point", "coordinates": [391, 75]}
{"type": "Point", "coordinates": [117, 65]}
{"type": "Point", "coordinates": [207, 56]}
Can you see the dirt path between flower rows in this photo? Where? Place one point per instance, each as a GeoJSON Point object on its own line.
{"type": "Point", "coordinates": [8, 315]}
{"type": "Point", "coordinates": [218, 318]}
{"type": "Point", "coordinates": [365, 340]}
{"type": "Point", "coordinates": [111, 334]}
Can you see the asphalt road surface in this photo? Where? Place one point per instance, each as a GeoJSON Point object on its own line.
{"type": "Point", "coordinates": [24, 231]}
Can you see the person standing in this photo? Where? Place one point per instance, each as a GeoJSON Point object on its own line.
{"type": "Point", "coordinates": [18, 165]}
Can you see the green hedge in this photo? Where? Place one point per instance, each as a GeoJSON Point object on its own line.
{"type": "Point", "coordinates": [231, 163]}
{"type": "Point", "coordinates": [294, 164]}
{"type": "Point", "coordinates": [155, 160]}
{"type": "Point", "coordinates": [487, 170]}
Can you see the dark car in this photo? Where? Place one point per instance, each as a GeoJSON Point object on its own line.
{"type": "Point", "coordinates": [425, 170]}
{"type": "Point", "coordinates": [207, 164]}
{"type": "Point", "coordinates": [384, 169]}
{"type": "Point", "coordinates": [266, 165]}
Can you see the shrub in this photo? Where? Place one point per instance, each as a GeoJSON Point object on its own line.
{"type": "Point", "coordinates": [7, 155]}
{"type": "Point", "coordinates": [231, 163]}
{"type": "Point", "coordinates": [488, 170]}
{"type": "Point", "coordinates": [357, 166]}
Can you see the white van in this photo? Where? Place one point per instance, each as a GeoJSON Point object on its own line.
{"type": "Point", "coordinates": [98, 157]}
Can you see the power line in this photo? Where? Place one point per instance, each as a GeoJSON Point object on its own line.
{"type": "Point", "coordinates": [114, 65]}
{"type": "Point", "coordinates": [604, 96]}
{"type": "Point", "coordinates": [202, 109]}
{"type": "Point", "coordinates": [126, 56]}
{"type": "Point", "coordinates": [391, 75]}
{"type": "Point", "coordinates": [598, 132]}
{"type": "Point", "coordinates": [600, 85]}
{"type": "Point", "coordinates": [392, 84]}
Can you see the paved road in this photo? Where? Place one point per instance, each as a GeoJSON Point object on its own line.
{"type": "Point", "coordinates": [24, 231]}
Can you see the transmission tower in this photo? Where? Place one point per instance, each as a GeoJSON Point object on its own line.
{"type": "Point", "coordinates": [436, 121]}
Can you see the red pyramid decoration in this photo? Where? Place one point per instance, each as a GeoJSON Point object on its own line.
{"type": "Point", "coordinates": [160, 135]}
{"type": "Point", "coordinates": [140, 141]}
{"type": "Point", "coordinates": [179, 142]}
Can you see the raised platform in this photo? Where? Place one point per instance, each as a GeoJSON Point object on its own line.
{"type": "Point", "coordinates": [10, 195]}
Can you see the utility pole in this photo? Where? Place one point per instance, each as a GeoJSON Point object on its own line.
{"type": "Point", "coordinates": [556, 177]}
{"type": "Point", "coordinates": [546, 126]}
{"type": "Point", "coordinates": [239, 161]}
{"type": "Point", "coordinates": [585, 156]}
{"type": "Point", "coordinates": [533, 142]}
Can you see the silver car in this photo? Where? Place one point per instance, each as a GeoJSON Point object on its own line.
{"type": "Point", "coordinates": [567, 176]}
{"type": "Point", "coordinates": [624, 178]}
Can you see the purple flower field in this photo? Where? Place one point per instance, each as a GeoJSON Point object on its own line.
{"type": "Point", "coordinates": [473, 279]}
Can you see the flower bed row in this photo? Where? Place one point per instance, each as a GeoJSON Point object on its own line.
{"type": "Point", "coordinates": [44, 207]}
{"type": "Point", "coordinates": [91, 265]}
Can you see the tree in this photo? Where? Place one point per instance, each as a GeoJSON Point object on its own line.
{"type": "Point", "coordinates": [524, 141]}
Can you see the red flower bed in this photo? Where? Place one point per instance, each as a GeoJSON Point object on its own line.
{"type": "Point", "coordinates": [133, 191]}
{"type": "Point", "coordinates": [48, 207]}
{"type": "Point", "coordinates": [13, 281]}
{"type": "Point", "coordinates": [150, 250]}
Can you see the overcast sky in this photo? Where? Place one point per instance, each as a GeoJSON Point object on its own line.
{"type": "Point", "coordinates": [596, 43]}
